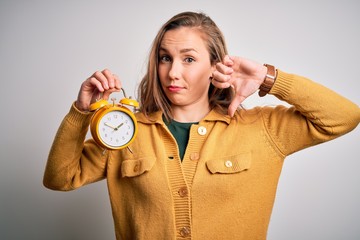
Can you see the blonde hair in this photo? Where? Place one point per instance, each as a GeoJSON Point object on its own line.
{"type": "Point", "coordinates": [151, 96]}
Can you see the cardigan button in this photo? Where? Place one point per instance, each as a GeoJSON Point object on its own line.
{"type": "Point", "coordinates": [194, 156]}
{"type": "Point", "coordinates": [185, 232]}
{"type": "Point", "coordinates": [136, 168]}
{"type": "Point", "coordinates": [202, 130]}
{"type": "Point", "coordinates": [228, 164]}
{"type": "Point", "coordinates": [183, 192]}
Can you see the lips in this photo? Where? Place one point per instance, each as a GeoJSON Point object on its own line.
{"type": "Point", "coordinates": [173, 88]}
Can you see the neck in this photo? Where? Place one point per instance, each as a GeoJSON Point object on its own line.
{"type": "Point", "coordinates": [189, 114]}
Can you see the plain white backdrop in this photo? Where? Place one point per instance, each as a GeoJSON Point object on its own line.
{"type": "Point", "coordinates": [47, 48]}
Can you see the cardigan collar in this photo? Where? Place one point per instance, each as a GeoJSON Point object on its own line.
{"type": "Point", "coordinates": [156, 118]}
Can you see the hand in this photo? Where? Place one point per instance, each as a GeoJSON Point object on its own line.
{"type": "Point", "coordinates": [111, 126]}
{"type": "Point", "coordinates": [119, 126]}
{"type": "Point", "coordinates": [244, 75]}
{"type": "Point", "coordinates": [100, 82]}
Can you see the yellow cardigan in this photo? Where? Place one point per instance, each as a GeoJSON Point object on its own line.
{"type": "Point", "coordinates": [226, 185]}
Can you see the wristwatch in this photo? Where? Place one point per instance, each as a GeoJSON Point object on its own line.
{"type": "Point", "coordinates": [269, 80]}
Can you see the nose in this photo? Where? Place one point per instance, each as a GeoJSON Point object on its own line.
{"type": "Point", "coordinates": [175, 71]}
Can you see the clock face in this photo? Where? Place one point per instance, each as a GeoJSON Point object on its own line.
{"type": "Point", "coordinates": [116, 129]}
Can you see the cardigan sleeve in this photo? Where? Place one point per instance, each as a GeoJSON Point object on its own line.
{"type": "Point", "coordinates": [317, 114]}
{"type": "Point", "coordinates": [72, 162]}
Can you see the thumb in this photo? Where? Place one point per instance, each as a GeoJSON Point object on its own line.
{"type": "Point", "coordinates": [106, 95]}
{"type": "Point", "coordinates": [235, 103]}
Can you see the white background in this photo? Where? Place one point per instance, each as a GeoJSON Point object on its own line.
{"type": "Point", "coordinates": [47, 48]}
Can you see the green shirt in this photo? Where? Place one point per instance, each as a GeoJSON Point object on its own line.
{"type": "Point", "coordinates": [180, 131]}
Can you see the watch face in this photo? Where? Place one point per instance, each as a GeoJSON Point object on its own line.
{"type": "Point", "coordinates": [116, 129]}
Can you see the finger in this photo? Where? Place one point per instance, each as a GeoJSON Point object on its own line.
{"type": "Point", "coordinates": [99, 76]}
{"type": "Point", "coordinates": [228, 61]}
{"type": "Point", "coordinates": [220, 77]}
{"type": "Point", "coordinates": [109, 77]}
{"type": "Point", "coordinates": [107, 93]}
{"type": "Point", "coordinates": [220, 84]}
{"type": "Point", "coordinates": [224, 69]}
{"type": "Point", "coordinates": [235, 104]}
{"type": "Point", "coordinates": [117, 81]}
{"type": "Point", "coordinates": [95, 96]}
{"type": "Point", "coordinates": [95, 82]}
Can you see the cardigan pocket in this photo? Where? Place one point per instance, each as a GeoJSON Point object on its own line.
{"type": "Point", "coordinates": [133, 168]}
{"type": "Point", "coordinates": [230, 164]}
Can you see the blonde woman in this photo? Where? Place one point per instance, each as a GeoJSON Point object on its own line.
{"type": "Point", "coordinates": [201, 167]}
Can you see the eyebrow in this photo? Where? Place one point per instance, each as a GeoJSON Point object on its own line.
{"type": "Point", "coordinates": [185, 50]}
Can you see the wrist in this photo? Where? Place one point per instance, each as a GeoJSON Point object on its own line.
{"type": "Point", "coordinates": [269, 80]}
{"type": "Point", "coordinates": [80, 107]}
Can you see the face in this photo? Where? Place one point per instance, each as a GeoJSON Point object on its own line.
{"type": "Point", "coordinates": [184, 68]}
{"type": "Point", "coordinates": [116, 129]}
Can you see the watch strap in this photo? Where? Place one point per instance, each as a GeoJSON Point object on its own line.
{"type": "Point", "coordinates": [269, 80]}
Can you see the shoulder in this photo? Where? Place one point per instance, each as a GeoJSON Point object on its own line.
{"type": "Point", "coordinates": [149, 119]}
{"type": "Point", "coordinates": [261, 113]}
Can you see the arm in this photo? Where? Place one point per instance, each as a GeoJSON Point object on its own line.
{"type": "Point", "coordinates": [73, 162]}
{"type": "Point", "coordinates": [318, 114]}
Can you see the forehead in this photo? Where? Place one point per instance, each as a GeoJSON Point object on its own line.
{"type": "Point", "coordinates": [184, 37]}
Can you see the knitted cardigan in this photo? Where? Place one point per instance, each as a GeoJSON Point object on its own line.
{"type": "Point", "coordinates": [226, 185]}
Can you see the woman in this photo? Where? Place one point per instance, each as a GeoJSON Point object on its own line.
{"type": "Point", "coordinates": [200, 167]}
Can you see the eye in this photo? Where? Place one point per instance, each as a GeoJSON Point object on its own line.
{"type": "Point", "coordinates": [165, 58]}
{"type": "Point", "coordinates": [189, 60]}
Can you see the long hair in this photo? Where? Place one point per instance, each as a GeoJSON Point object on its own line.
{"type": "Point", "coordinates": [151, 96]}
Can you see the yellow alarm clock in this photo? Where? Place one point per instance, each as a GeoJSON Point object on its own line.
{"type": "Point", "coordinates": [113, 126]}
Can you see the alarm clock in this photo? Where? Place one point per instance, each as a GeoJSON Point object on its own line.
{"type": "Point", "coordinates": [113, 125]}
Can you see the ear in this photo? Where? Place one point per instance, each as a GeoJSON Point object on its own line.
{"type": "Point", "coordinates": [213, 68]}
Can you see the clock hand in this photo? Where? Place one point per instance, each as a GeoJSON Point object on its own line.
{"type": "Point", "coordinates": [118, 126]}
{"type": "Point", "coordinates": [110, 126]}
